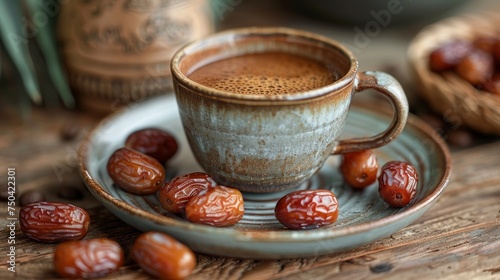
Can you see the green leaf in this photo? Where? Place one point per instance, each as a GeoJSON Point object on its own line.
{"type": "Point", "coordinates": [47, 44]}
{"type": "Point", "coordinates": [16, 46]}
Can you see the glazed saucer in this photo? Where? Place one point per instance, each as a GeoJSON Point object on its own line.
{"type": "Point", "coordinates": [363, 217]}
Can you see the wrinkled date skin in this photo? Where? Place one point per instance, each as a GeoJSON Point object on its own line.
{"type": "Point", "coordinates": [153, 142]}
{"type": "Point", "coordinates": [359, 169]}
{"type": "Point", "coordinates": [398, 183]}
{"type": "Point", "coordinates": [307, 209]}
{"type": "Point", "coordinates": [218, 206]}
{"type": "Point", "coordinates": [162, 256]}
{"type": "Point", "coordinates": [175, 194]}
{"type": "Point", "coordinates": [91, 258]}
{"type": "Point", "coordinates": [135, 172]}
{"type": "Point", "coordinates": [53, 221]}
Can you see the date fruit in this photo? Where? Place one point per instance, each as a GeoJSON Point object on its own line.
{"type": "Point", "coordinates": [175, 194]}
{"type": "Point", "coordinates": [307, 209]}
{"type": "Point", "coordinates": [359, 169]}
{"type": "Point", "coordinates": [135, 172]}
{"type": "Point", "coordinates": [485, 43]}
{"type": "Point", "coordinates": [93, 258]}
{"type": "Point", "coordinates": [398, 183]}
{"type": "Point", "coordinates": [447, 56]}
{"type": "Point", "coordinates": [476, 62]}
{"type": "Point", "coordinates": [53, 221]}
{"type": "Point", "coordinates": [477, 67]}
{"type": "Point", "coordinates": [153, 142]}
{"type": "Point", "coordinates": [217, 206]}
{"type": "Point", "coordinates": [162, 256]}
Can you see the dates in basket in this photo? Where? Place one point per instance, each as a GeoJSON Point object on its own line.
{"type": "Point", "coordinates": [476, 61]}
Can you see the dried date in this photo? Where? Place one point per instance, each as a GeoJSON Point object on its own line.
{"type": "Point", "coordinates": [477, 62]}
{"type": "Point", "coordinates": [359, 169]}
{"type": "Point", "coordinates": [398, 183]}
{"type": "Point", "coordinates": [477, 67]}
{"type": "Point", "coordinates": [307, 209]}
{"type": "Point", "coordinates": [162, 256]}
{"type": "Point", "coordinates": [485, 43]}
{"type": "Point", "coordinates": [216, 206]}
{"type": "Point", "coordinates": [53, 221]}
{"type": "Point", "coordinates": [153, 142]}
{"type": "Point", "coordinates": [135, 172]}
{"type": "Point", "coordinates": [91, 258]}
{"type": "Point", "coordinates": [447, 56]}
{"type": "Point", "coordinates": [175, 194]}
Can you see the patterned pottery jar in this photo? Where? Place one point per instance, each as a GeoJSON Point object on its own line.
{"type": "Point", "coordinates": [118, 51]}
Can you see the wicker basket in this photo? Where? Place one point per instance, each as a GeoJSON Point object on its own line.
{"type": "Point", "coordinates": [458, 101]}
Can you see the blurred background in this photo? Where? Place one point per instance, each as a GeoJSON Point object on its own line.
{"type": "Point", "coordinates": [94, 57]}
{"type": "Point", "coordinates": [99, 55]}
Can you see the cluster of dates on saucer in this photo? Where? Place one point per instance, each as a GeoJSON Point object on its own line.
{"type": "Point", "coordinates": [310, 209]}
{"type": "Point", "coordinates": [139, 168]}
{"type": "Point", "coordinates": [201, 200]}
{"type": "Point", "coordinates": [477, 61]}
{"type": "Point", "coordinates": [397, 181]}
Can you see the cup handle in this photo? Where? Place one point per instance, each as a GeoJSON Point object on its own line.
{"type": "Point", "coordinates": [390, 87]}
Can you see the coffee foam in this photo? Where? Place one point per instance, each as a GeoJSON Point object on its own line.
{"type": "Point", "coordinates": [271, 73]}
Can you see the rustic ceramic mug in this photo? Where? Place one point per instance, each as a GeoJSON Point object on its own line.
{"type": "Point", "coordinates": [268, 143]}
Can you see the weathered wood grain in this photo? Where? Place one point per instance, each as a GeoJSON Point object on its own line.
{"type": "Point", "coordinates": [458, 238]}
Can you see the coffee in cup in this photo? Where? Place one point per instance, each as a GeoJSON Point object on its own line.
{"type": "Point", "coordinates": [267, 73]}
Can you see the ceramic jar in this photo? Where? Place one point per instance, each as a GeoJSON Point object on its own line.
{"type": "Point", "coordinates": [118, 51]}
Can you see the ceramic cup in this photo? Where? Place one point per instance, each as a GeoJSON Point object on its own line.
{"type": "Point", "coordinates": [268, 143]}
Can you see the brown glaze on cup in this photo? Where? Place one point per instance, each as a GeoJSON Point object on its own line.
{"type": "Point", "coordinates": [267, 143]}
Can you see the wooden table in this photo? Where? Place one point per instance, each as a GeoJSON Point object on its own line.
{"type": "Point", "coordinates": [458, 238]}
